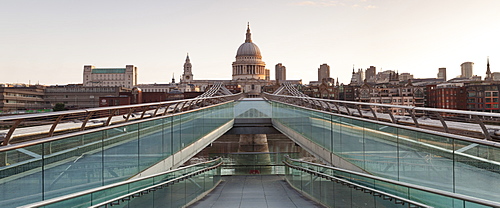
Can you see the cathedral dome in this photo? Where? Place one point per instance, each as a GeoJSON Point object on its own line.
{"type": "Point", "coordinates": [248, 48]}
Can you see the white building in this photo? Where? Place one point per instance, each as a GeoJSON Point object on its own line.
{"type": "Point", "coordinates": [109, 77]}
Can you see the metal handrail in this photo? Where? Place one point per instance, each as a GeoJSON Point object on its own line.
{"type": "Point", "coordinates": [88, 113]}
{"type": "Point", "coordinates": [410, 109]}
{"type": "Point", "coordinates": [90, 191]}
{"type": "Point", "coordinates": [73, 134]}
{"type": "Point", "coordinates": [116, 201]}
{"type": "Point", "coordinates": [408, 185]}
{"type": "Point", "coordinates": [395, 106]}
{"type": "Point", "coordinates": [443, 134]}
{"type": "Point", "coordinates": [372, 191]}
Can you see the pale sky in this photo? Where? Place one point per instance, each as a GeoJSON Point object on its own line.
{"type": "Point", "coordinates": [49, 41]}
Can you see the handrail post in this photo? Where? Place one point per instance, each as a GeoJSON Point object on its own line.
{"type": "Point", "coordinates": [130, 111]}
{"type": "Point", "coordinates": [144, 112]}
{"type": "Point", "coordinates": [359, 111]}
{"type": "Point", "coordinates": [156, 110]}
{"type": "Point", "coordinates": [108, 121]}
{"type": "Point", "coordinates": [393, 120]}
{"type": "Point", "coordinates": [166, 109]}
{"type": "Point", "coordinates": [53, 127]}
{"type": "Point", "coordinates": [373, 112]}
{"type": "Point", "coordinates": [8, 136]}
{"type": "Point", "coordinates": [347, 109]}
{"type": "Point", "coordinates": [412, 114]}
{"type": "Point", "coordinates": [438, 115]}
{"type": "Point", "coordinates": [483, 127]}
{"type": "Point", "coordinates": [84, 123]}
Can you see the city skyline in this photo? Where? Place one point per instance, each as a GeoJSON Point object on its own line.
{"type": "Point", "coordinates": [50, 41]}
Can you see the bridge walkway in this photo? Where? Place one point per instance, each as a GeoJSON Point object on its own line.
{"type": "Point", "coordinates": [254, 191]}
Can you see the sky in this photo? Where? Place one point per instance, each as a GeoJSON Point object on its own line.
{"type": "Point", "coordinates": [49, 41]}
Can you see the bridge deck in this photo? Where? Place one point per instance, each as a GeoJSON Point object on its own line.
{"type": "Point", "coordinates": [254, 191]}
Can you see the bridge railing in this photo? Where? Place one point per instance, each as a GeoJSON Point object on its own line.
{"type": "Point", "coordinates": [312, 178]}
{"type": "Point", "coordinates": [50, 167]}
{"type": "Point", "coordinates": [161, 188]}
{"type": "Point", "coordinates": [444, 120]}
{"type": "Point", "coordinates": [434, 159]}
{"type": "Point", "coordinates": [19, 128]}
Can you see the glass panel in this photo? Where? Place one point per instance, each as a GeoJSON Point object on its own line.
{"type": "Point", "coordinates": [381, 150]}
{"type": "Point", "coordinates": [26, 162]}
{"type": "Point", "coordinates": [424, 160]}
{"type": "Point", "coordinates": [352, 141]}
{"type": "Point", "coordinates": [121, 154]}
{"type": "Point", "coordinates": [252, 109]}
{"type": "Point", "coordinates": [477, 170]}
{"type": "Point", "coordinates": [150, 143]}
{"type": "Point", "coordinates": [71, 166]}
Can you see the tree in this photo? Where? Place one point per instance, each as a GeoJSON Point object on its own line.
{"type": "Point", "coordinates": [59, 107]}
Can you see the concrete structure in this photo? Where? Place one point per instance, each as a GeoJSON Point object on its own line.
{"type": "Point", "coordinates": [110, 77]}
{"type": "Point", "coordinates": [495, 76]}
{"type": "Point", "coordinates": [467, 70]}
{"type": "Point", "coordinates": [280, 72]}
{"type": "Point", "coordinates": [405, 76]}
{"type": "Point", "coordinates": [323, 72]}
{"type": "Point", "coordinates": [358, 77]}
{"type": "Point", "coordinates": [371, 74]}
{"type": "Point", "coordinates": [442, 74]}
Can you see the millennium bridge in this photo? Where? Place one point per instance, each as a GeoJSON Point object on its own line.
{"type": "Point", "coordinates": [225, 150]}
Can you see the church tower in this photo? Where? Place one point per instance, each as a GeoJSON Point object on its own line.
{"type": "Point", "coordinates": [187, 76]}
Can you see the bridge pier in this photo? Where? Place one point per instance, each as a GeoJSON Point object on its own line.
{"type": "Point", "coordinates": [253, 143]}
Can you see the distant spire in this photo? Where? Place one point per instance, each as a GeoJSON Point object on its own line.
{"type": "Point", "coordinates": [187, 58]}
{"type": "Point", "coordinates": [173, 78]}
{"type": "Point", "coordinates": [249, 35]}
{"type": "Point", "coordinates": [353, 69]}
{"type": "Point", "coordinates": [488, 71]}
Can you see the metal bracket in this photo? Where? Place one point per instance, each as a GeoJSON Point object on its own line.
{"type": "Point", "coordinates": [129, 113]}
{"type": "Point", "coordinates": [373, 112]}
{"type": "Point", "coordinates": [166, 109]}
{"type": "Point", "coordinates": [347, 109]}
{"type": "Point", "coordinates": [144, 112]}
{"type": "Point", "coordinates": [6, 140]}
{"type": "Point", "coordinates": [108, 122]}
{"type": "Point", "coordinates": [412, 114]}
{"type": "Point", "coordinates": [438, 115]}
{"type": "Point", "coordinates": [84, 123]}
{"type": "Point", "coordinates": [53, 127]}
{"type": "Point", "coordinates": [483, 127]}
{"type": "Point", "coordinates": [393, 120]}
{"type": "Point", "coordinates": [359, 110]}
{"type": "Point", "coordinates": [156, 110]}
